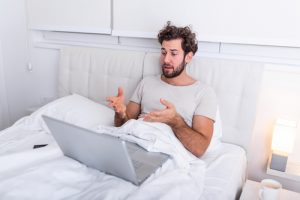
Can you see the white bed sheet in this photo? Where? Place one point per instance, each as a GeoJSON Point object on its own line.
{"type": "Point", "coordinates": [225, 172]}
{"type": "Point", "coordinates": [226, 169]}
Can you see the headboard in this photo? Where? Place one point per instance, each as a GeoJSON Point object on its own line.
{"type": "Point", "coordinates": [96, 73]}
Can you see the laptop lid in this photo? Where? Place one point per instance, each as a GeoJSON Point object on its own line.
{"type": "Point", "coordinates": [104, 152]}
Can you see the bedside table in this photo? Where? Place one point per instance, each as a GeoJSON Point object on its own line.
{"type": "Point", "coordinates": [251, 189]}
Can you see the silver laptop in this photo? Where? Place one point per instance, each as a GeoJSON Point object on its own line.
{"type": "Point", "coordinates": [104, 152]}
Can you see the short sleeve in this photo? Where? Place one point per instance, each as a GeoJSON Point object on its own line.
{"type": "Point", "coordinates": [138, 93]}
{"type": "Point", "coordinates": [207, 105]}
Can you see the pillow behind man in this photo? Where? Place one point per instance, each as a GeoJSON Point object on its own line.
{"type": "Point", "coordinates": [216, 139]}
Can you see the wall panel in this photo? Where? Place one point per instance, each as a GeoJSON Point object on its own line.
{"type": "Point", "coordinates": [268, 22]}
{"type": "Point", "coordinates": [91, 16]}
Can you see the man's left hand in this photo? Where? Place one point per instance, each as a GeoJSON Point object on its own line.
{"type": "Point", "coordinates": [166, 115]}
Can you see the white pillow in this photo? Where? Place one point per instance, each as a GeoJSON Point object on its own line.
{"type": "Point", "coordinates": [74, 109]}
{"type": "Point", "coordinates": [216, 139]}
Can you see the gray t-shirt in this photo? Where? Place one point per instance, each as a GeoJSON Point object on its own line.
{"type": "Point", "coordinates": [195, 99]}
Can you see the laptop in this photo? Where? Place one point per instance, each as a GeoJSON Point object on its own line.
{"type": "Point", "coordinates": [104, 152]}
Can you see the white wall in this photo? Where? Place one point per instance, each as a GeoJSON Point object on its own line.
{"type": "Point", "coordinates": [4, 114]}
{"type": "Point", "coordinates": [279, 98]}
{"type": "Point", "coordinates": [265, 22]}
{"type": "Point", "coordinates": [93, 16]}
{"type": "Point", "coordinates": [231, 21]}
{"type": "Point", "coordinates": [15, 55]}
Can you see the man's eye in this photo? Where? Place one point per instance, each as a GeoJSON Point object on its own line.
{"type": "Point", "coordinates": [174, 54]}
{"type": "Point", "coordinates": [163, 53]}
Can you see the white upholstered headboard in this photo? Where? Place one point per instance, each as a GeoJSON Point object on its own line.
{"type": "Point", "coordinates": [96, 73]}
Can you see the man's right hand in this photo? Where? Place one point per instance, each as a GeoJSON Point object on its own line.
{"type": "Point", "coordinates": [117, 103]}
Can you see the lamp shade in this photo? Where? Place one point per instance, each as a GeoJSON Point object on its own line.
{"type": "Point", "coordinates": [284, 134]}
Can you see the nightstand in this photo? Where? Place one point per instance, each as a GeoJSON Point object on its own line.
{"type": "Point", "coordinates": [251, 189]}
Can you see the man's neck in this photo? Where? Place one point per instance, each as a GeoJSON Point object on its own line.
{"type": "Point", "coordinates": [182, 80]}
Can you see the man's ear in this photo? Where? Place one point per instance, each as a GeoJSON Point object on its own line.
{"type": "Point", "coordinates": [189, 57]}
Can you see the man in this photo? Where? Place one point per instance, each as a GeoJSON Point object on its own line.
{"type": "Point", "coordinates": [175, 98]}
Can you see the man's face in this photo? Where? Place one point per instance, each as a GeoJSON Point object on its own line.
{"type": "Point", "coordinates": [172, 58]}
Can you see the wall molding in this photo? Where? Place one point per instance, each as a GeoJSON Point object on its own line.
{"type": "Point", "coordinates": [71, 29]}
{"type": "Point", "coordinates": [244, 52]}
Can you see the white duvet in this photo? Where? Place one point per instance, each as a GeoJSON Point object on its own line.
{"type": "Point", "coordinates": [44, 173]}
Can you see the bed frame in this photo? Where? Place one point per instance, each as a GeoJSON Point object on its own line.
{"type": "Point", "coordinates": [97, 72]}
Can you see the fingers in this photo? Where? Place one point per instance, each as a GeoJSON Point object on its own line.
{"type": "Point", "coordinates": [120, 109]}
{"type": "Point", "coordinates": [111, 101]}
{"type": "Point", "coordinates": [154, 116]}
{"type": "Point", "coordinates": [116, 105]}
{"type": "Point", "coordinates": [117, 102]}
{"type": "Point", "coordinates": [166, 115]}
{"type": "Point", "coordinates": [120, 92]}
{"type": "Point", "coordinates": [149, 117]}
{"type": "Point", "coordinates": [166, 103]}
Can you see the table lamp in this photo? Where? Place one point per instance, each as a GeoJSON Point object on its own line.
{"type": "Point", "coordinates": [284, 134]}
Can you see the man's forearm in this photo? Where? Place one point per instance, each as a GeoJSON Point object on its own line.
{"type": "Point", "coordinates": [192, 140]}
{"type": "Point", "coordinates": [120, 119]}
{"type": "Point", "coordinates": [131, 111]}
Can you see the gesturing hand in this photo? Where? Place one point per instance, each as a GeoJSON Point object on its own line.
{"type": "Point", "coordinates": [117, 103]}
{"type": "Point", "coordinates": [166, 115]}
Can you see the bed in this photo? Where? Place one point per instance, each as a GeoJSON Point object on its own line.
{"type": "Point", "coordinates": [86, 77]}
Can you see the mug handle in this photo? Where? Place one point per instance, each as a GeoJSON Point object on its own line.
{"type": "Point", "coordinates": [260, 194]}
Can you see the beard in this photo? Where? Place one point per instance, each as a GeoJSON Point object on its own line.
{"type": "Point", "coordinates": [174, 73]}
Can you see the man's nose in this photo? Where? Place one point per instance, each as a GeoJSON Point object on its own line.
{"type": "Point", "coordinates": [167, 58]}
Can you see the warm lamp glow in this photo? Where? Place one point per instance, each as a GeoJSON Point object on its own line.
{"type": "Point", "coordinates": [284, 136]}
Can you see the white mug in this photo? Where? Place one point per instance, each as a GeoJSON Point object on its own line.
{"type": "Point", "coordinates": [270, 189]}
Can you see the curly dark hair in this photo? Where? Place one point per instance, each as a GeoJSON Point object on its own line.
{"type": "Point", "coordinates": [170, 32]}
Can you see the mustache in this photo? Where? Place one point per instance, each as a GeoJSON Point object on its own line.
{"type": "Point", "coordinates": [166, 65]}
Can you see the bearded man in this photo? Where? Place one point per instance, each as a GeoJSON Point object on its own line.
{"type": "Point", "coordinates": [187, 105]}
